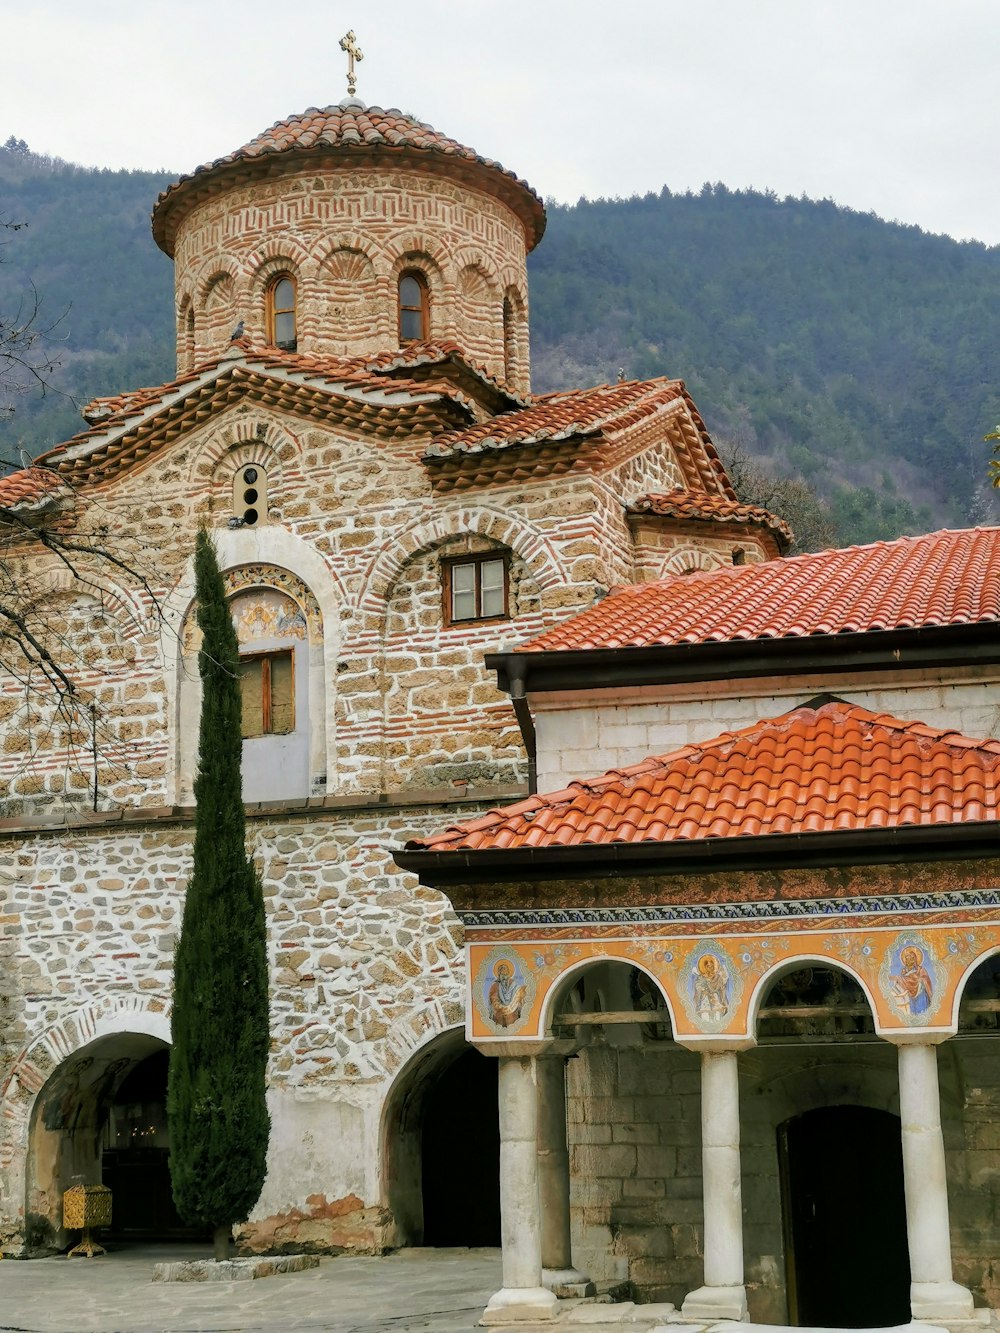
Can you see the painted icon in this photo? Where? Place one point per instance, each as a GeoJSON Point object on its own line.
{"type": "Point", "coordinates": [912, 984]}
{"type": "Point", "coordinates": [710, 989]}
{"type": "Point", "coordinates": [506, 995]}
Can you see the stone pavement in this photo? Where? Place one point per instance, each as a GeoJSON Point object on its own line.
{"type": "Point", "coordinates": [426, 1291]}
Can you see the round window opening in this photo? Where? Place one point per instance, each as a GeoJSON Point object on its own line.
{"type": "Point", "coordinates": [250, 496]}
{"type": "Point", "coordinates": [250, 475]}
{"type": "Point", "coordinates": [250, 517]}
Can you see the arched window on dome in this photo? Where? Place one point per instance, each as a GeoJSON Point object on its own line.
{"type": "Point", "coordinates": [281, 312]}
{"type": "Point", "coordinates": [414, 307]}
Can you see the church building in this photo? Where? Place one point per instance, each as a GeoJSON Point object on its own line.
{"type": "Point", "coordinates": [631, 885]}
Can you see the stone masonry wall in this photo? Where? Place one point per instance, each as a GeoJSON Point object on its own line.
{"type": "Point", "coordinates": [365, 964]}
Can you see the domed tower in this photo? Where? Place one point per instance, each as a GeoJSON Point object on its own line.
{"type": "Point", "coordinates": [349, 231]}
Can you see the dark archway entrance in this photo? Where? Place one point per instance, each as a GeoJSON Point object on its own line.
{"type": "Point", "coordinates": [460, 1155]}
{"type": "Point", "coordinates": [135, 1156]}
{"type": "Point", "coordinates": [844, 1218]}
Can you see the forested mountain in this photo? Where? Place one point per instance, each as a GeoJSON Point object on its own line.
{"type": "Point", "coordinates": [856, 354]}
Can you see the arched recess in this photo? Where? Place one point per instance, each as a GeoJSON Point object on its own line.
{"type": "Point", "coordinates": [813, 983]}
{"type": "Point", "coordinates": [349, 310]}
{"type": "Point", "coordinates": [688, 559]}
{"type": "Point", "coordinates": [516, 534]}
{"type": "Point", "coordinates": [30, 1181]}
{"type": "Point", "coordinates": [517, 359]}
{"type": "Point", "coordinates": [977, 996]}
{"type": "Point", "coordinates": [268, 557]}
{"type": "Point", "coordinates": [613, 985]}
{"type": "Point", "coordinates": [479, 315]}
{"type": "Point", "coordinates": [440, 1147]}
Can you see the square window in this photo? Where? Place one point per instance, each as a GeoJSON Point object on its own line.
{"type": "Point", "coordinates": [267, 689]}
{"type": "Point", "coordinates": [475, 588]}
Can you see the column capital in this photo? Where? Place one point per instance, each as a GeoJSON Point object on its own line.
{"type": "Point", "coordinates": [709, 1044]}
{"type": "Point", "coordinates": [914, 1037]}
{"type": "Point", "coordinates": [539, 1049]}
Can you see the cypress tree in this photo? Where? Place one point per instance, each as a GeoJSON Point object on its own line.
{"type": "Point", "coordinates": [216, 1105]}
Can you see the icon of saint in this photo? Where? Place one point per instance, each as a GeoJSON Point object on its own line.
{"type": "Point", "coordinates": [506, 996]}
{"type": "Point", "coordinates": [710, 988]}
{"type": "Point", "coordinates": [912, 984]}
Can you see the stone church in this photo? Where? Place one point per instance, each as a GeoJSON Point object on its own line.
{"type": "Point", "coordinates": [716, 1027]}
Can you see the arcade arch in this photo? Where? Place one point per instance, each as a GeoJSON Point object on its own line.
{"type": "Point", "coordinates": [440, 1147]}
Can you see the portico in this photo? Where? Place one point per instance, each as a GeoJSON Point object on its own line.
{"type": "Point", "coordinates": [777, 978]}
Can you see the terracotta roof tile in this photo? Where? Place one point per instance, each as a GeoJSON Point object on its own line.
{"type": "Point", "coordinates": [27, 486]}
{"type": "Point", "coordinates": [819, 768]}
{"type": "Point", "coordinates": [714, 508]}
{"type": "Point", "coordinates": [392, 402]}
{"type": "Point", "coordinates": [560, 416]}
{"type": "Point", "coordinates": [943, 578]}
{"type": "Point", "coordinates": [350, 128]}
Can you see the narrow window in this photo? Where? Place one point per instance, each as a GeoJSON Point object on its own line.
{"type": "Point", "coordinates": [414, 307]}
{"type": "Point", "coordinates": [189, 340]}
{"type": "Point", "coordinates": [250, 496]}
{"type": "Point", "coordinates": [281, 313]}
{"type": "Point", "coordinates": [268, 695]}
{"type": "Point", "coordinates": [475, 588]}
{"type": "Point", "coordinates": [508, 340]}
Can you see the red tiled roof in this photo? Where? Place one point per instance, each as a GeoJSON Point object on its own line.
{"type": "Point", "coordinates": [554, 419]}
{"type": "Point", "coordinates": [560, 416]}
{"type": "Point", "coordinates": [943, 578]}
{"type": "Point", "coordinates": [716, 508]}
{"type": "Point", "coordinates": [820, 768]}
{"type": "Point", "coordinates": [119, 434]}
{"type": "Point", "coordinates": [27, 485]}
{"type": "Point", "coordinates": [350, 128]}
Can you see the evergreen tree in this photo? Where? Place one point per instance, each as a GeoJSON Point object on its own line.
{"type": "Point", "coordinates": [216, 1093]}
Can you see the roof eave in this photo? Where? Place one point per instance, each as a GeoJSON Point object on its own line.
{"type": "Point", "coordinates": [976, 644]}
{"type": "Point", "coordinates": [936, 842]}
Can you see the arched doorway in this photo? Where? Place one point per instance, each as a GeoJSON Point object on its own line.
{"type": "Point", "coordinates": [441, 1148]}
{"type": "Point", "coordinates": [844, 1218]}
{"type": "Point", "coordinates": [101, 1119]}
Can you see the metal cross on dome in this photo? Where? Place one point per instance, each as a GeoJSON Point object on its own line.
{"type": "Point", "coordinates": [354, 52]}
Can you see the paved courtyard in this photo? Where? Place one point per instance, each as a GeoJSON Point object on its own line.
{"type": "Point", "coordinates": [427, 1291]}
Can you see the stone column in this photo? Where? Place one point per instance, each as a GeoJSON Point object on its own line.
{"type": "Point", "coordinates": [933, 1292]}
{"type": "Point", "coordinates": [522, 1296]}
{"type": "Point", "coordinates": [723, 1296]}
{"type": "Point", "coordinates": [558, 1273]}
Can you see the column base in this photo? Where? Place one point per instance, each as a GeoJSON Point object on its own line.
{"type": "Point", "coordinates": [941, 1301]}
{"type": "Point", "coordinates": [567, 1282]}
{"type": "Point", "coordinates": [716, 1303]}
{"type": "Point", "coordinates": [512, 1305]}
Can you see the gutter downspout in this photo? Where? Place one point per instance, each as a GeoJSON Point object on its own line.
{"type": "Point", "coordinates": [518, 696]}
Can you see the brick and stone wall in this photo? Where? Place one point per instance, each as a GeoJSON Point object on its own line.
{"type": "Point", "coordinates": [345, 233]}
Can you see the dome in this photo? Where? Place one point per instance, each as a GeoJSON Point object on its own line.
{"type": "Point", "coordinates": [347, 131]}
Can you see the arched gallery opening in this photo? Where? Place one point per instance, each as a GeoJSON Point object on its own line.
{"type": "Point", "coordinates": [101, 1119]}
{"type": "Point", "coordinates": [441, 1148]}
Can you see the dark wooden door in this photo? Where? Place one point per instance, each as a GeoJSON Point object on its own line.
{"type": "Point", "coordinates": [844, 1218]}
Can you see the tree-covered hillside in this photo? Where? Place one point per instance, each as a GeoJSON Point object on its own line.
{"type": "Point", "coordinates": [858, 355]}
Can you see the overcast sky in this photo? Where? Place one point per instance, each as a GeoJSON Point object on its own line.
{"type": "Point", "coordinates": [887, 105]}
